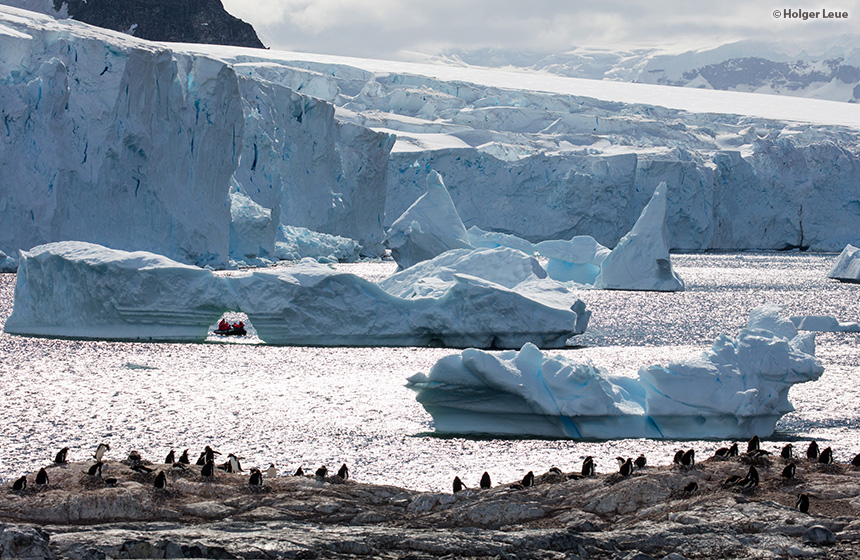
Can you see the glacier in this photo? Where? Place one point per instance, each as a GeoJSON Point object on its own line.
{"type": "Point", "coordinates": [847, 265]}
{"type": "Point", "coordinates": [141, 146]}
{"type": "Point", "coordinates": [736, 389]}
{"type": "Point", "coordinates": [490, 298]}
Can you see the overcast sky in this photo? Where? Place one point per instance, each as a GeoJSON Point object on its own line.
{"type": "Point", "coordinates": [390, 28]}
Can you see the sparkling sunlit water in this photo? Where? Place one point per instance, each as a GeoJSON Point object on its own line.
{"type": "Point", "coordinates": [311, 406]}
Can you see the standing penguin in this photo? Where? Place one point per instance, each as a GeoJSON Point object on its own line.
{"type": "Point", "coordinates": [588, 466]}
{"type": "Point", "coordinates": [485, 481]}
{"type": "Point", "coordinates": [528, 479]}
{"type": "Point", "coordinates": [787, 451]}
{"type": "Point", "coordinates": [208, 469]}
{"type": "Point", "coordinates": [96, 469]}
{"type": "Point", "coordinates": [826, 456]}
{"type": "Point", "coordinates": [626, 468]}
{"type": "Point", "coordinates": [42, 477]}
{"type": "Point", "coordinates": [20, 484]}
{"type": "Point", "coordinates": [60, 457]}
{"type": "Point", "coordinates": [788, 471]}
{"type": "Point", "coordinates": [458, 484]}
{"type": "Point", "coordinates": [184, 458]}
{"type": "Point", "coordinates": [271, 472]}
{"type": "Point", "coordinates": [170, 459]}
{"type": "Point", "coordinates": [100, 451]}
{"type": "Point", "coordinates": [812, 451]}
{"type": "Point", "coordinates": [802, 503]}
{"type": "Point", "coordinates": [640, 461]}
{"type": "Point", "coordinates": [234, 463]}
{"type": "Point", "coordinates": [160, 480]}
{"type": "Point", "coordinates": [256, 478]}
{"type": "Point", "coordinates": [343, 472]}
{"type": "Point", "coordinates": [754, 444]}
{"type": "Point", "coordinates": [322, 472]}
{"type": "Point", "coordinates": [299, 472]}
{"type": "Point", "coordinates": [688, 459]}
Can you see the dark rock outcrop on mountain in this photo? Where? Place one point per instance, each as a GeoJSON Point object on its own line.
{"type": "Point", "coordinates": [180, 21]}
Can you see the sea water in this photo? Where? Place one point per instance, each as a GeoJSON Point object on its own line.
{"type": "Point", "coordinates": [300, 406]}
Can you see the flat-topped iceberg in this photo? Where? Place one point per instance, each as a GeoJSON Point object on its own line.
{"type": "Point", "coordinates": [736, 389]}
{"type": "Point", "coordinates": [81, 290]}
{"type": "Point", "coordinates": [847, 266]}
{"type": "Point", "coordinates": [823, 323]}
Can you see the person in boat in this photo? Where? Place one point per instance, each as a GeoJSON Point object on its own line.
{"type": "Point", "coordinates": [223, 325]}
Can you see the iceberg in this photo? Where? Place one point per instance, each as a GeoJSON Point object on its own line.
{"type": "Point", "coordinates": [847, 265]}
{"type": "Point", "coordinates": [428, 228]}
{"type": "Point", "coordinates": [736, 389]}
{"type": "Point", "coordinates": [7, 263]}
{"type": "Point", "coordinates": [641, 259]}
{"type": "Point", "coordinates": [823, 323]}
{"type": "Point", "coordinates": [577, 260]}
{"type": "Point", "coordinates": [295, 243]}
{"type": "Point", "coordinates": [139, 296]}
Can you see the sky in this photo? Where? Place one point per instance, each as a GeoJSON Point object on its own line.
{"type": "Point", "coordinates": [396, 29]}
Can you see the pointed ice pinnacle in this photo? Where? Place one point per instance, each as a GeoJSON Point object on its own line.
{"type": "Point", "coordinates": [428, 228]}
{"type": "Point", "coordinates": [641, 259]}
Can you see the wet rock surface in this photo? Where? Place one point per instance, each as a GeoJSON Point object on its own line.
{"type": "Point", "coordinates": [648, 514]}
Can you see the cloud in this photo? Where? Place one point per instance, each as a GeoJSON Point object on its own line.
{"type": "Point", "coordinates": [383, 28]}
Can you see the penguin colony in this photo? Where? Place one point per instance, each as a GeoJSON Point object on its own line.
{"type": "Point", "coordinates": [745, 482]}
{"type": "Point", "coordinates": [685, 459]}
{"type": "Point", "coordinates": [206, 460]}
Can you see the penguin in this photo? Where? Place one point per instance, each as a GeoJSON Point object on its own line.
{"type": "Point", "coordinates": [96, 469]}
{"type": "Point", "coordinates": [42, 477]}
{"type": "Point", "coordinates": [640, 462]}
{"type": "Point", "coordinates": [747, 484]}
{"type": "Point", "coordinates": [754, 444]}
{"type": "Point", "coordinates": [299, 472]}
{"type": "Point", "coordinates": [177, 467]}
{"type": "Point", "coordinates": [226, 466]}
{"type": "Point", "coordinates": [691, 487]}
{"type": "Point", "coordinates": [184, 458]}
{"type": "Point", "coordinates": [588, 466]}
{"type": "Point", "coordinates": [256, 478]}
{"type": "Point", "coordinates": [20, 484]}
{"type": "Point", "coordinates": [753, 474]}
{"type": "Point", "coordinates": [271, 472]}
{"type": "Point", "coordinates": [812, 451]}
{"type": "Point", "coordinates": [756, 453]}
{"type": "Point", "coordinates": [142, 469]}
{"type": "Point", "coordinates": [802, 503]}
{"type": "Point", "coordinates": [234, 463]}
{"type": "Point", "coordinates": [788, 471]}
{"type": "Point", "coordinates": [110, 481]}
{"type": "Point", "coordinates": [202, 459]}
{"type": "Point", "coordinates": [343, 472]}
{"type": "Point", "coordinates": [528, 480]}
{"type": "Point", "coordinates": [688, 459]}
{"type": "Point", "coordinates": [722, 452]}
{"type": "Point", "coordinates": [458, 484]}
{"type": "Point", "coordinates": [60, 457]}
{"type": "Point", "coordinates": [485, 481]}
{"type": "Point", "coordinates": [209, 453]}
{"type": "Point", "coordinates": [100, 451]}
{"type": "Point", "coordinates": [787, 451]}
{"type": "Point", "coordinates": [627, 467]}
{"type": "Point", "coordinates": [826, 456]}
{"type": "Point", "coordinates": [134, 457]}
{"type": "Point", "coordinates": [856, 461]}
{"type": "Point", "coordinates": [733, 450]}
{"type": "Point", "coordinates": [321, 472]}
{"type": "Point", "coordinates": [208, 469]}
{"type": "Point", "coordinates": [170, 459]}
{"type": "Point", "coordinates": [678, 456]}
{"type": "Point", "coordinates": [160, 480]}
{"type": "Point", "coordinates": [555, 470]}
{"type": "Point", "coordinates": [732, 480]}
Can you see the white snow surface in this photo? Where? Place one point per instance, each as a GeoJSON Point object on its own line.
{"type": "Point", "coordinates": [736, 389]}
{"type": "Point", "coordinates": [823, 323]}
{"type": "Point", "coordinates": [136, 296]}
{"type": "Point", "coordinates": [428, 228]}
{"type": "Point", "coordinates": [641, 259]}
{"type": "Point", "coordinates": [847, 265]}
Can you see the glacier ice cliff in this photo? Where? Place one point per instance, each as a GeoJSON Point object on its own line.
{"type": "Point", "coordinates": [491, 298]}
{"type": "Point", "coordinates": [737, 389]}
{"type": "Point", "coordinates": [114, 140]}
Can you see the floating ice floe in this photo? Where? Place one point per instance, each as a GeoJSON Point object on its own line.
{"type": "Point", "coordinates": [7, 263]}
{"type": "Point", "coordinates": [823, 323]}
{"type": "Point", "coordinates": [736, 389]}
{"type": "Point", "coordinates": [81, 290]}
{"type": "Point", "coordinates": [641, 259]}
{"type": "Point", "coordinates": [428, 228]}
{"type": "Point", "coordinates": [847, 266]}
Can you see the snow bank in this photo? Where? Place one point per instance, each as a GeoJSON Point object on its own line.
{"type": "Point", "coordinates": [847, 266]}
{"type": "Point", "coordinates": [823, 323]}
{"type": "Point", "coordinates": [737, 389]}
{"type": "Point", "coordinates": [81, 290]}
{"type": "Point", "coordinates": [641, 259]}
{"type": "Point", "coordinates": [428, 228]}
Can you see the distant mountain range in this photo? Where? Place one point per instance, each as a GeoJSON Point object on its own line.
{"type": "Point", "coordinates": [178, 21]}
{"type": "Point", "coordinates": [823, 72]}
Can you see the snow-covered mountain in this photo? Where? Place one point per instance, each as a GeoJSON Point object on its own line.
{"type": "Point", "coordinates": [138, 145]}
{"type": "Point", "coordinates": [819, 70]}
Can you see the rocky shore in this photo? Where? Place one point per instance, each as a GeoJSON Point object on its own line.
{"type": "Point", "coordinates": [647, 514]}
